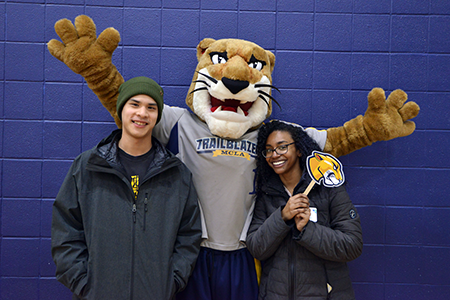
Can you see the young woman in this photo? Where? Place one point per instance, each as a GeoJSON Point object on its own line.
{"type": "Point", "coordinates": [302, 258]}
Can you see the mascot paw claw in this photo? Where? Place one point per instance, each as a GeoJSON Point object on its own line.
{"type": "Point", "coordinates": [384, 120]}
{"type": "Point", "coordinates": [89, 56]}
{"type": "Point", "coordinates": [388, 119]}
{"type": "Point", "coordinates": [80, 49]}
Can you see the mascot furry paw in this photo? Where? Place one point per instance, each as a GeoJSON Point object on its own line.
{"type": "Point", "coordinates": [231, 76]}
{"type": "Point", "coordinates": [384, 120]}
{"type": "Point", "coordinates": [89, 56]}
{"type": "Point", "coordinates": [230, 97]}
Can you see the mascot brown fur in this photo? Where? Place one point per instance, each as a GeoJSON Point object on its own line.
{"type": "Point", "coordinates": [90, 57]}
{"type": "Point", "coordinates": [231, 93]}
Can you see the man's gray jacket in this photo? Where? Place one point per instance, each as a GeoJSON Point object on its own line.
{"type": "Point", "coordinates": [107, 245]}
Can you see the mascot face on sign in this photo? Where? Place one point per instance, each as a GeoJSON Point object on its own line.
{"type": "Point", "coordinates": [231, 87]}
{"type": "Point", "coordinates": [325, 167]}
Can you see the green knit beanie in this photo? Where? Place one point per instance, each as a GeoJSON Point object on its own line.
{"type": "Point", "coordinates": [137, 86]}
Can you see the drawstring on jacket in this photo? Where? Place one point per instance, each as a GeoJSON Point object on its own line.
{"type": "Point", "coordinates": [145, 209]}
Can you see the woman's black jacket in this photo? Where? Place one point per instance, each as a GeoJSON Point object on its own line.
{"type": "Point", "coordinates": [298, 265]}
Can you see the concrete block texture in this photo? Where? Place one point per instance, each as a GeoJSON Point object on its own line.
{"type": "Point", "coordinates": [329, 55]}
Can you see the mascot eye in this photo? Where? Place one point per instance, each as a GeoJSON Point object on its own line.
{"type": "Point", "coordinates": [218, 57]}
{"type": "Point", "coordinates": [256, 64]}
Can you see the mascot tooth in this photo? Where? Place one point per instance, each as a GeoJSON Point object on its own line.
{"type": "Point", "coordinates": [230, 98]}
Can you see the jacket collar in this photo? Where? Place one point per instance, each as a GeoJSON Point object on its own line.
{"type": "Point", "coordinates": [105, 154]}
{"type": "Point", "coordinates": [275, 185]}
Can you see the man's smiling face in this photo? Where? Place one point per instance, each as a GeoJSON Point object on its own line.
{"type": "Point", "coordinates": [139, 117]}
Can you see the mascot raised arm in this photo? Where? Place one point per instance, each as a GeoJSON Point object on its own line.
{"type": "Point", "coordinates": [229, 98]}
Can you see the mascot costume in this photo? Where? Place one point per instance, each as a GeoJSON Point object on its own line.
{"type": "Point", "coordinates": [230, 97]}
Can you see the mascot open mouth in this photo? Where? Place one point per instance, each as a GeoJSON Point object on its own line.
{"type": "Point", "coordinates": [214, 96]}
{"type": "Point", "coordinates": [331, 179]}
{"type": "Point", "coordinates": [230, 105]}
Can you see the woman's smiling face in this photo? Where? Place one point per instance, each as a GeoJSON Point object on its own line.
{"type": "Point", "coordinates": [283, 164]}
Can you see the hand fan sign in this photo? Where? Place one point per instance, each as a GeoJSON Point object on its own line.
{"type": "Point", "coordinates": [324, 168]}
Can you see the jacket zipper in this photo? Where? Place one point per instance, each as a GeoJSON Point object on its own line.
{"type": "Point", "coordinates": [292, 273]}
{"type": "Point", "coordinates": [133, 210]}
{"type": "Point", "coordinates": [133, 238]}
{"type": "Point", "coordinates": [145, 209]}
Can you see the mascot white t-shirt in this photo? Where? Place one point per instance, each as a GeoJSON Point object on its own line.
{"type": "Point", "coordinates": [223, 174]}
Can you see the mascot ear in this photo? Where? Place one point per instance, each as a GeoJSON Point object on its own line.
{"type": "Point", "coordinates": [271, 57]}
{"type": "Point", "coordinates": [202, 46]}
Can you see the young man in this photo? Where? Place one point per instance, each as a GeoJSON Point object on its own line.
{"type": "Point", "coordinates": [126, 220]}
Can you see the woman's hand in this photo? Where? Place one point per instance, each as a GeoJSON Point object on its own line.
{"type": "Point", "coordinates": [302, 219]}
{"type": "Point", "coordinates": [296, 205]}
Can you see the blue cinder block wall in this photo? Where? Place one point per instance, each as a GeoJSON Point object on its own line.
{"type": "Point", "coordinates": [329, 54]}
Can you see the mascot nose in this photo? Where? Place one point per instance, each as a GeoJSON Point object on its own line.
{"type": "Point", "coordinates": [235, 86]}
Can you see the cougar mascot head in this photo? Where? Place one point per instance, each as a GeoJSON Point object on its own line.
{"type": "Point", "coordinates": [231, 87]}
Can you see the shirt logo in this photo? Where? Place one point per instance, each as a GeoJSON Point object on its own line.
{"type": "Point", "coordinates": [222, 147]}
{"type": "Point", "coordinates": [135, 185]}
